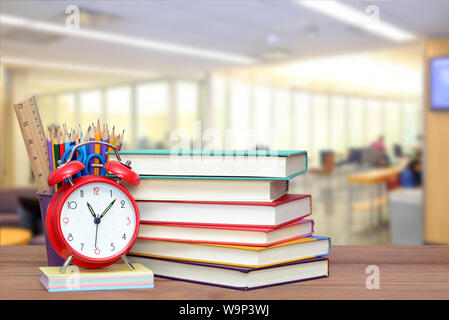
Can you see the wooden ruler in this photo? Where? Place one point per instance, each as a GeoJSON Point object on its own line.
{"type": "Point", "coordinates": [35, 141]}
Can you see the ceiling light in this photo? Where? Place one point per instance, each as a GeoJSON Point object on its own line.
{"type": "Point", "coordinates": [73, 67]}
{"type": "Point", "coordinates": [357, 18]}
{"type": "Point", "coordinates": [272, 39]}
{"type": "Point", "coordinates": [275, 55]}
{"type": "Point", "coordinates": [123, 40]}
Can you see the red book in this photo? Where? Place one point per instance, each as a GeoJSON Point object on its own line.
{"type": "Point", "coordinates": [235, 235]}
{"type": "Point", "coordinates": [288, 208]}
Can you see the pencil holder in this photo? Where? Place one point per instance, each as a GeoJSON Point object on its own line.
{"type": "Point", "coordinates": [53, 259]}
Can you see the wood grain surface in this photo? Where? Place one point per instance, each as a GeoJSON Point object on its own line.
{"type": "Point", "coordinates": [406, 272]}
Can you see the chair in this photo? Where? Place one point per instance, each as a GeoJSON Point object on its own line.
{"type": "Point", "coordinates": [327, 162]}
{"type": "Point", "coordinates": [10, 205]}
{"type": "Point", "coordinates": [355, 156]}
{"type": "Point", "coordinates": [397, 149]}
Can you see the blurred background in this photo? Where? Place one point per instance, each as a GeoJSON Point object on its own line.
{"type": "Point", "coordinates": [348, 81]}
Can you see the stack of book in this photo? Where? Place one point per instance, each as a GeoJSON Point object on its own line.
{"type": "Point", "coordinates": [225, 218]}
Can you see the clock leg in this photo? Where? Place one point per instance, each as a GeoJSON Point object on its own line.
{"type": "Point", "coordinates": [66, 263]}
{"type": "Point", "coordinates": [125, 259]}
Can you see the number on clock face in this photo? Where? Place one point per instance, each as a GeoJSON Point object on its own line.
{"type": "Point", "coordinates": [98, 220]}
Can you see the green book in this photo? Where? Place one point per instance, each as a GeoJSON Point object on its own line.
{"type": "Point", "coordinates": [216, 164]}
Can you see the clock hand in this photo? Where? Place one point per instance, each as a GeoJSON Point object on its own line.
{"type": "Point", "coordinates": [91, 210]}
{"type": "Point", "coordinates": [97, 218]}
{"type": "Point", "coordinates": [96, 233]}
{"type": "Point", "coordinates": [107, 209]}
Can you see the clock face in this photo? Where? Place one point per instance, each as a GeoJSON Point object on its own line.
{"type": "Point", "coordinates": [98, 220]}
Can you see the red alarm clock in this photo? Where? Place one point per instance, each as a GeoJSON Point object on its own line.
{"type": "Point", "coordinates": [92, 221]}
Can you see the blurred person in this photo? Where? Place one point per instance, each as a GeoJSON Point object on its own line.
{"type": "Point", "coordinates": [417, 148]}
{"type": "Point", "coordinates": [378, 153]}
{"type": "Point", "coordinates": [415, 166]}
{"type": "Point", "coordinates": [379, 145]}
{"type": "Point", "coordinates": [411, 176]}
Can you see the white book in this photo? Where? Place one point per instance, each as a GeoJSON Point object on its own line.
{"type": "Point", "coordinates": [209, 189]}
{"type": "Point", "coordinates": [217, 163]}
{"type": "Point", "coordinates": [249, 236]}
{"type": "Point", "coordinates": [263, 214]}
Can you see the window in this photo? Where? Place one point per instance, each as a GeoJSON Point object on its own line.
{"type": "Point", "coordinates": [356, 123]}
{"type": "Point", "coordinates": [258, 115]}
{"type": "Point", "coordinates": [219, 92]}
{"type": "Point", "coordinates": [152, 119]}
{"type": "Point", "coordinates": [118, 111]}
{"type": "Point", "coordinates": [47, 110]}
{"type": "Point", "coordinates": [262, 116]}
{"type": "Point", "coordinates": [66, 106]}
{"type": "Point", "coordinates": [320, 128]}
{"type": "Point", "coordinates": [90, 108]}
{"type": "Point", "coordinates": [239, 115]}
{"type": "Point", "coordinates": [338, 124]}
{"type": "Point", "coordinates": [282, 119]}
{"type": "Point", "coordinates": [187, 107]}
{"type": "Point", "coordinates": [301, 121]}
{"type": "Point", "coordinates": [239, 105]}
{"type": "Point", "coordinates": [393, 125]}
{"type": "Point", "coordinates": [374, 121]}
{"type": "Point", "coordinates": [410, 124]}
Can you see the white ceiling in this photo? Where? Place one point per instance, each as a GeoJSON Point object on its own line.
{"type": "Point", "coordinates": [231, 26]}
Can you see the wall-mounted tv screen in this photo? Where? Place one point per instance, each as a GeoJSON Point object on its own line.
{"type": "Point", "coordinates": [439, 83]}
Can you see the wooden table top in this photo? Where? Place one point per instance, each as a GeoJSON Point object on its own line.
{"type": "Point", "coordinates": [373, 176]}
{"type": "Point", "coordinates": [406, 272]}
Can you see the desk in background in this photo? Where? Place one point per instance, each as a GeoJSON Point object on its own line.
{"type": "Point", "coordinates": [14, 236]}
{"type": "Point", "coordinates": [406, 272]}
{"type": "Point", "coordinates": [376, 181]}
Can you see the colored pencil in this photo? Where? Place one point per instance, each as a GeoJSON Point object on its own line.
{"type": "Point", "coordinates": [97, 146]}
{"type": "Point", "coordinates": [103, 148]}
{"type": "Point", "coordinates": [49, 150]}
{"type": "Point", "coordinates": [53, 155]}
{"type": "Point", "coordinates": [117, 142]}
{"type": "Point", "coordinates": [109, 148]}
{"type": "Point", "coordinates": [112, 138]}
{"type": "Point", "coordinates": [57, 157]}
{"type": "Point", "coordinates": [50, 154]}
{"type": "Point", "coordinates": [61, 140]}
{"type": "Point", "coordinates": [67, 142]}
{"type": "Point", "coordinates": [91, 150]}
{"type": "Point", "coordinates": [53, 147]}
{"type": "Point", "coordinates": [61, 145]}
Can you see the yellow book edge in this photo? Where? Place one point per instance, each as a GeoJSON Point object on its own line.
{"type": "Point", "coordinates": [217, 262]}
{"type": "Point", "coordinates": [115, 270]}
